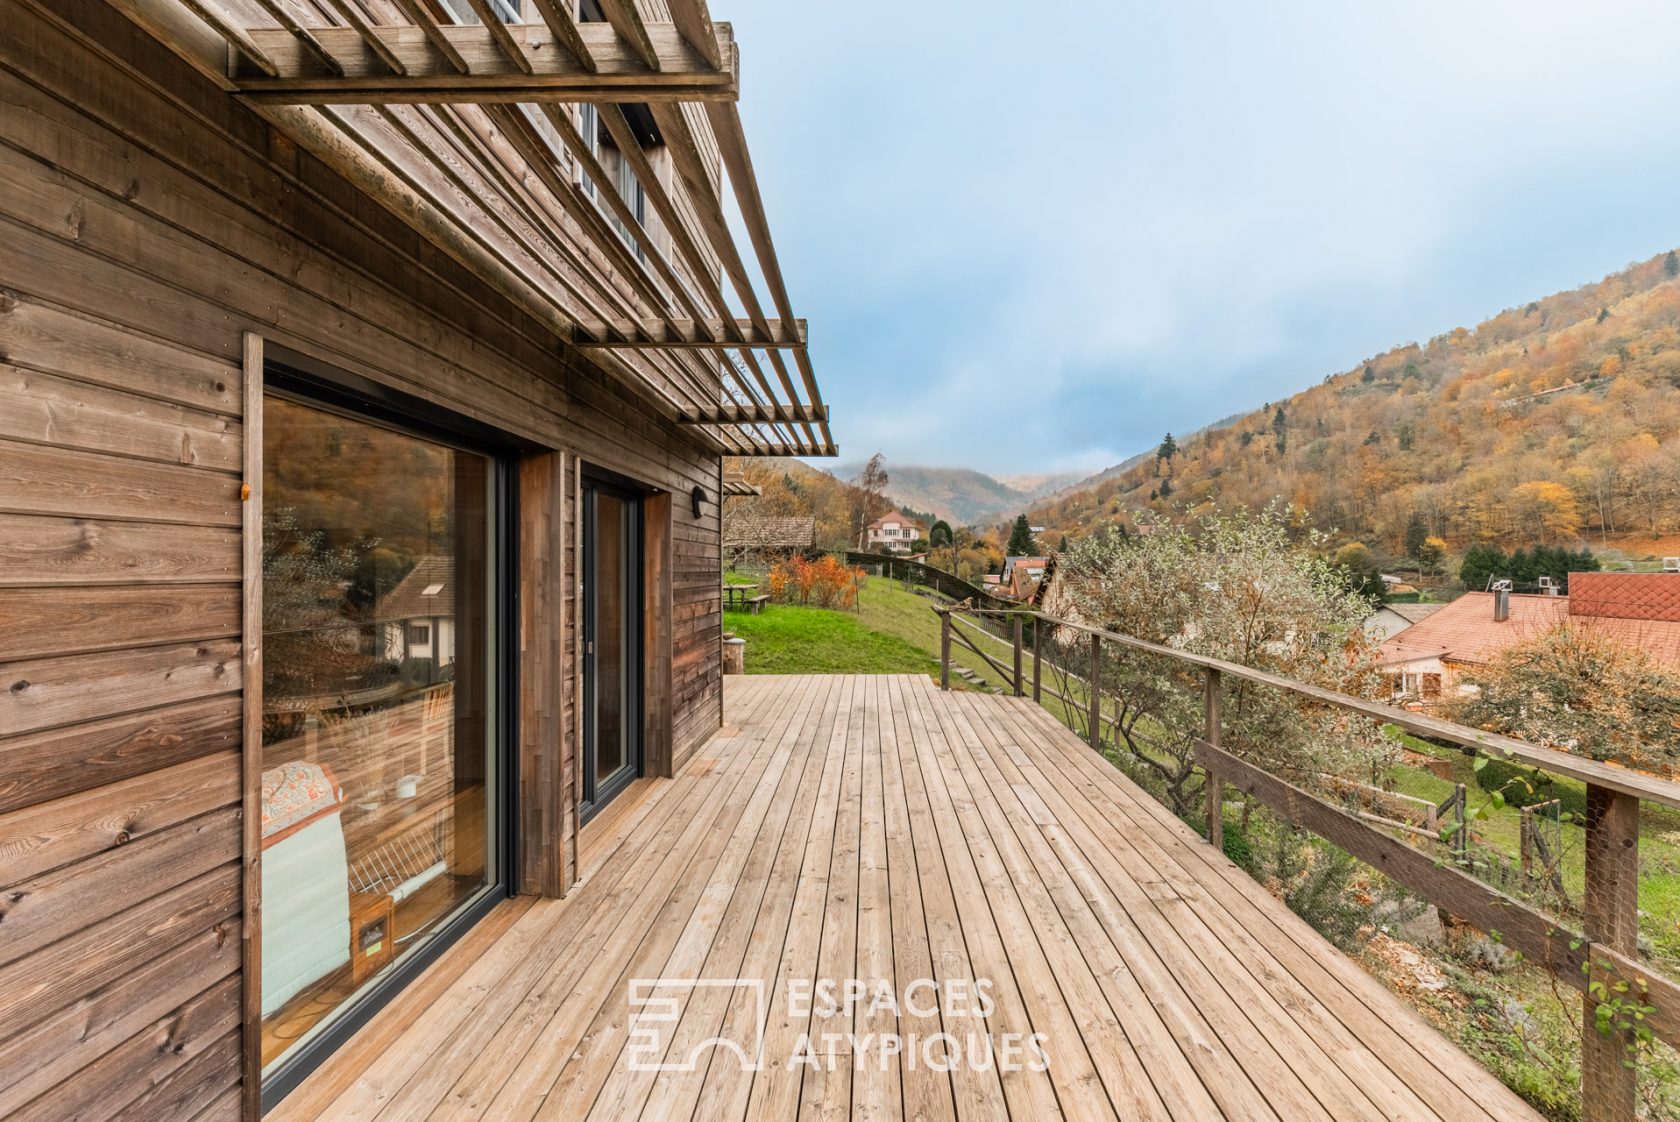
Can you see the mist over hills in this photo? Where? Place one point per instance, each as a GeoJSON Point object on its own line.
{"type": "Point", "coordinates": [964, 496]}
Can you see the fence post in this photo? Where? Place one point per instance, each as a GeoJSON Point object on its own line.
{"type": "Point", "coordinates": [944, 649]}
{"type": "Point", "coordinates": [1038, 661]}
{"type": "Point", "coordinates": [1016, 636]}
{"type": "Point", "coordinates": [1096, 691]}
{"type": "Point", "coordinates": [1461, 836]}
{"type": "Point", "coordinates": [1611, 918]}
{"type": "Point", "coordinates": [1212, 703]}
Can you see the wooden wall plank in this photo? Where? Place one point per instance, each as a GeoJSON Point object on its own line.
{"type": "Point", "coordinates": [193, 1086]}
{"type": "Point", "coordinates": [36, 986]}
{"type": "Point", "coordinates": [121, 1076]}
{"type": "Point", "coordinates": [49, 621]}
{"type": "Point", "coordinates": [43, 837]}
{"type": "Point", "coordinates": [41, 480]}
{"type": "Point", "coordinates": [63, 1044]}
{"type": "Point", "coordinates": [57, 904]}
{"type": "Point", "coordinates": [40, 550]}
{"type": "Point", "coordinates": [63, 761]}
{"type": "Point", "coordinates": [44, 337]}
{"type": "Point", "coordinates": [48, 409]}
{"type": "Point", "coordinates": [42, 693]}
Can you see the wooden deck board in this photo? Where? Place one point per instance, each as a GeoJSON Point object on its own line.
{"type": "Point", "coordinates": [874, 828]}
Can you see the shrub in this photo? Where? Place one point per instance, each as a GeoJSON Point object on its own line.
{"type": "Point", "coordinates": [825, 582]}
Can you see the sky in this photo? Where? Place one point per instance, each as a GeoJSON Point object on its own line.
{"type": "Point", "coordinates": [1036, 237]}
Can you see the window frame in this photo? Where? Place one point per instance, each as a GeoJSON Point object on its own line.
{"type": "Point", "coordinates": [296, 377]}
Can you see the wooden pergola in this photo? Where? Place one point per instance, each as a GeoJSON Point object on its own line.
{"type": "Point", "coordinates": [467, 130]}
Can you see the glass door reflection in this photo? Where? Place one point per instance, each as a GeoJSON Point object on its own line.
{"type": "Point", "coordinates": [378, 782]}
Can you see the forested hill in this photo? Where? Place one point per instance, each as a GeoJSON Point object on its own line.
{"type": "Point", "coordinates": [1555, 421]}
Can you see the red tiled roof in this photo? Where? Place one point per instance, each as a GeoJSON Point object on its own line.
{"type": "Point", "coordinates": [894, 516]}
{"type": "Point", "coordinates": [1646, 596]}
{"type": "Point", "coordinates": [1465, 631]}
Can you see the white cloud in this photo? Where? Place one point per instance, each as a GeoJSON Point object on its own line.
{"type": "Point", "coordinates": [1182, 208]}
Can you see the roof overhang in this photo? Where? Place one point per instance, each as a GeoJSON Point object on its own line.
{"type": "Point", "coordinates": [461, 128]}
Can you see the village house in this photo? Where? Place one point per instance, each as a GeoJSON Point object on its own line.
{"type": "Point", "coordinates": [1391, 619]}
{"type": "Point", "coordinates": [1425, 660]}
{"type": "Point", "coordinates": [1021, 577]}
{"type": "Point", "coordinates": [893, 533]}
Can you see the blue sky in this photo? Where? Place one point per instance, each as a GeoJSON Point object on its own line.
{"type": "Point", "coordinates": [1036, 237]}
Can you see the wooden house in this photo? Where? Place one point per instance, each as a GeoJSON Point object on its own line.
{"type": "Point", "coordinates": [366, 375]}
{"type": "Point", "coordinates": [325, 322]}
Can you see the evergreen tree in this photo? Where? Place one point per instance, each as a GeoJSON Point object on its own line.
{"type": "Point", "coordinates": [1021, 543]}
{"type": "Point", "coordinates": [1417, 532]}
{"type": "Point", "coordinates": [1481, 564]}
{"type": "Point", "coordinates": [1166, 488]}
{"type": "Point", "coordinates": [940, 534]}
{"type": "Point", "coordinates": [1168, 448]}
{"type": "Point", "coordinates": [1671, 264]}
{"type": "Point", "coordinates": [1369, 376]}
{"type": "Point", "coordinates": [1280, 425]}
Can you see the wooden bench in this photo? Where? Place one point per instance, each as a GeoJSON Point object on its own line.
{"type": "Point", "coordinates": [756, 603]}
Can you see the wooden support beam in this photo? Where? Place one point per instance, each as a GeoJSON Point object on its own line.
{"type": "Point", "coordinates": [495, 61]}
{"type": "Point", "coordinates": [627, 21]}
{"type": "Point", "coordinates": [564, 24]}
{"type": "Point", "coordinates": [631, 334]}
{"type": "Point", "coordinates": [755, 415]}
{"type": "Point", "coordinates": [695, 23]}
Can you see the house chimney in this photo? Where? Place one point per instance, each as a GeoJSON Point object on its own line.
{"type": "Point", "coordinates": [1501, 601]}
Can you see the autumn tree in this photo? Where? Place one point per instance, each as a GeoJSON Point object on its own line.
{"type": "Point", "coordinates": [1581, 689]}
{"type": "Point", "coordinates": [1247, 588]}
{"type": "Point", "coordinates": [1550, 508]}
{"type": "Point", "coordinates": [869, 495]}
{"type": "Point", "coordinates": [1431, 552]}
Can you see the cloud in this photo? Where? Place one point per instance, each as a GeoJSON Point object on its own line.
{"type": "Point", "coordinates": [1029, 241]}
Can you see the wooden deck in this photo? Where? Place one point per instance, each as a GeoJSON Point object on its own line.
{"type": "Point", "coordinates": [875, 828]}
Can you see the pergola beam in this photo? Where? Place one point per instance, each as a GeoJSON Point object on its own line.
{"type": "Point", "coordinates": [755, 415]}
{"type": "Point", "coordinates": [623, 334]}
{"type": "Point", "coordinates": [495, 73]}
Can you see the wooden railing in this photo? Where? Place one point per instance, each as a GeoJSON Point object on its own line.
{"type": "Point", "coordinates": [946, 584]}
{"type": "Point", "coordinates": [1600, 959]}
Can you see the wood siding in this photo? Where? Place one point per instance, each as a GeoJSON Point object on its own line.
{"type": "Point", "coordinates": [147, 222]}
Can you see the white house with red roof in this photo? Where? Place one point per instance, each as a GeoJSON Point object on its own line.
{"type": "Point", "coordinates": [1639, 609]}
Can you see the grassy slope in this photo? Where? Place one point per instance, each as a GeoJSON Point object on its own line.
{"type": "Point", "coordinates": [893, 631]}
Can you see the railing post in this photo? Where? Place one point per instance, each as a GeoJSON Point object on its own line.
{"type": "Point", "coordinates": [1611, 918]}
{"type": "Point", "coordinates": [1038, 661]}
{"type": "Point", "coordinates": [1016, 629]}
{"type": "Point", "coordinates": [944, 649]}
{"type": "Point", "coordinates": [1212, 704]}
{"type": "Point", "coordinates": [1096, 691]}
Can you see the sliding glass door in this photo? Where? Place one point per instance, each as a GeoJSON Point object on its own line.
{"type": "Point", "coordinates": [612, 641]}
{"type": "Point", "coordinates": [380, 782]}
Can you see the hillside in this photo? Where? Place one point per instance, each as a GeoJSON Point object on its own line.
{"type": "Point", "coordinates": [1553, 422]}
{"type": "Point", "coordinates": [960, 495]}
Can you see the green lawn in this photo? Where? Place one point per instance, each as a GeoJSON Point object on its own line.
{"type": "Point", "coordinates": [891, 632]}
